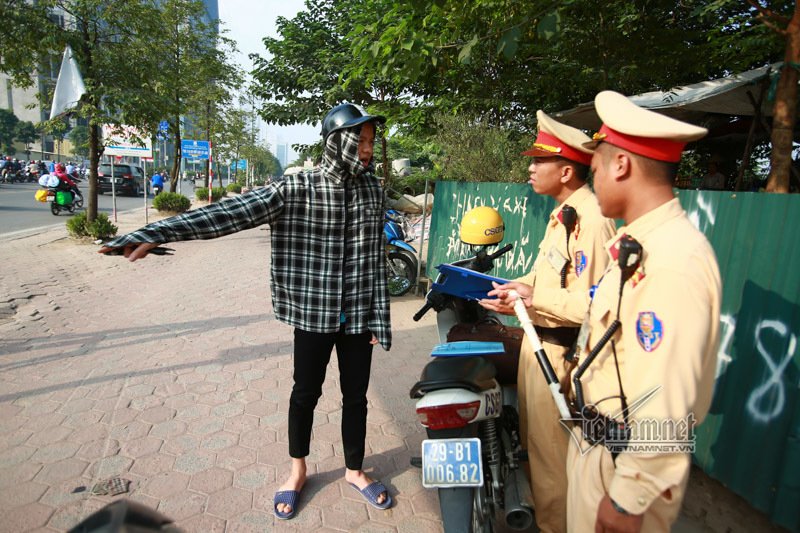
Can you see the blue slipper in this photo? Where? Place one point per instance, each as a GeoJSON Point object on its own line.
{"type": "Point", "coordinates": [371, 493]}
{"type": "Point", "coordinates": [287, 497]}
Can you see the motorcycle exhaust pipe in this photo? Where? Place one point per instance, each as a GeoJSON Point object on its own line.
{"type": "Point", "coordinates": [518, 501]}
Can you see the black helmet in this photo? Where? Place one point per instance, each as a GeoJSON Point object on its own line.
{"type": "Point", "coordinates": [346, 116]}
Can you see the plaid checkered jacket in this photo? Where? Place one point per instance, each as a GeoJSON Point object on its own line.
{"type": "Point", "coordinates": [327, 247]}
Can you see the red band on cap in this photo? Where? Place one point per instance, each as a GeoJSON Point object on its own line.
{"type": "Point", "coordinates": [564, 151]}
{"type": "Point", "coordinates": [654, 148]}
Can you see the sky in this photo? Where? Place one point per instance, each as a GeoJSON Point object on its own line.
{"type": "Point", "coordinates": [247, 22]}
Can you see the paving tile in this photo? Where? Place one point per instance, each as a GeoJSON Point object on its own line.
{"type": "Point", "coordinates": [183, 505]}
{"type": "Point", "coordinates": [219, 441]}
{"type": "Point", "coordinates": [130, 430]}
{"type": "Point", "coordinates": [16, 455]}
{"type": "Point", "coordinates": [140, 447]}
{"type": "Point", "coordinates": [27, 517]}
{"type": "Point", "coordinates": [168, 429]}
{"type": "Point", "coordinates": [193, 411]}
{"type": "Point", "coordinates": [158, 414]}
{"type": "Point", "coordinates": [98, 448]}
{"type": "Point", "coordinates": [203, 524]}
{"type": "Point", "coordinates": [116, 465]}
{"type": "Point", "coordinates": [241, 423]}
{"type": "Point", "coordinates": [344, 514]}
{"type": "Point", "coordinates": [146, 402]}
{"type": "Point", "coordinates": [254, 522]}
{"type": "Point", "coordinates": [21, 494]}
{"type": "Point", "coordinates": [14, 475]}
{"type": "Point", "coordinates": [69, 516]}
{"type": "Point", "coordinates": [153, 464]}
{"type": "Point", "coordinates": [165, 485]}
{"type": "Point", "coordinates": [230, 502]}
{"type": "Point", "coordinates": [49, 435]}
{"type": "Point", "coordinates": [254, 477]}
{"type": "Point", "coordinates": [236, 457]}
{"type": "Point", "coordinates": [211, 480]}
{"type": "Point", "coordinates": [194, 461]}
{"type": "Point", "coordinates": [89, 433]}
{"type": "Point", "coordinates": [180, 444]}
{"type": "Point", "coordinates": [206, 426]}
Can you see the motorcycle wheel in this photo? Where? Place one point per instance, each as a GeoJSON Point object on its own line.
{"type": "Point", "coordinates": [54, 208]}
{"type": "Point", "coordinates": [481, 516]}
{"type": "Point", "coordinates": [401, 273]}
{"type": "Point", "coordinates": [78, 203]}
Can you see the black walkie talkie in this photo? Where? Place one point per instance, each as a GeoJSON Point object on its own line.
{"type": "Point", "coordinates": [569, 217]}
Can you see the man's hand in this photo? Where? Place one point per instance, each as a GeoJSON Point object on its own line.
{"type": "Point", "coordinates": [132, 251]}
{"type": "Point", "coordinates": [504, 303]}
{"type": "Point", "coordinates": [609, 520]}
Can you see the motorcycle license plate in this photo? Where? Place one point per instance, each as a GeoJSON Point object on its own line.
{"type": "Point", "coordinates": [451, 463]}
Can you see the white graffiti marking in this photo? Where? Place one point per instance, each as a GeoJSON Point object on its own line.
{"type": "Point", "coordinates": [766, 401]}
{"type": "Point", "coordinates": [703, 206]}
{"type": "Point", "coordinates": [723, 356]}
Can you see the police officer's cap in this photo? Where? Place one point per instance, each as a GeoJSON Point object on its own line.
{"type": "Point", "coordinates": [641, 131]}
{"type": "Point", "coordinates": [347, 115]}
{"type": "Point", "coordinates": [559, 140]}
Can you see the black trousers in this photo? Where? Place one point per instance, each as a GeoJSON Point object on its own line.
{"type": "Point", "coordinates": [312, 352]}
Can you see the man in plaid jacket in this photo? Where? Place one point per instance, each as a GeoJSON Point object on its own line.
{"type": "Point", "coordinates": [328, 281]}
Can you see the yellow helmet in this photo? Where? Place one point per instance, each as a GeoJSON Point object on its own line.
{"type": "Point", "coordinates": [481, 226]}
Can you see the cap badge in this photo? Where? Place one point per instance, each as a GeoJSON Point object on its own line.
{"type": "Point", "coordinates": [548, 148]}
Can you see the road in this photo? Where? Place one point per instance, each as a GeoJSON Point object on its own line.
{"type": "Point", "coordinates": [19, 211]}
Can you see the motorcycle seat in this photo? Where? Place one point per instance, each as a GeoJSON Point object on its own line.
{"type": "Point", "coordinates": [472, 373]}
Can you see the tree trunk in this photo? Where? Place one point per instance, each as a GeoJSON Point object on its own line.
{"type": "Point", "coordinates": [785, 110]}
{"type": "Point", "coordinates": [176, 159]}
{"type": "Point", "coordinates": [94, 163]}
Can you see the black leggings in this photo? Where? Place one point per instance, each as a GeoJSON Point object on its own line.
{"type": "Point", "coordinates": [312, 352]}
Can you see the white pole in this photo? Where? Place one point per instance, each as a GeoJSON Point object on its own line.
{"type": "Point", "coordinates": [113, 190]}
{"type": "Point", "coordinates": [144, 187]}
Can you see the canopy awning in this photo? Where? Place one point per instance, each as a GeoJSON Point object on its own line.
{"type": "Point", "coordinates": [691, 103]}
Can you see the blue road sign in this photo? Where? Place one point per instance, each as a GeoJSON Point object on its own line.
{"type": "Point", "coordinates": [194, 149]}
{"type": "Point", "coordinates": [163, 131]}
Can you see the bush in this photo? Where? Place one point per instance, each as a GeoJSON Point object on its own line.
{"type": "Point", "coordinates": [100, 228]}
{"type": "Point", "coordinates": [216, 193]}
{"type": "Point", "coordinates": [234, 187]}
{"type": "Point", "coordinates": [172, 201]}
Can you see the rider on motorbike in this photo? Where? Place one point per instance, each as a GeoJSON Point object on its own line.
{"type": "Point", "coordinates": [65, 182]}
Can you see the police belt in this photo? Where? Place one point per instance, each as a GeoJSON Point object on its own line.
{"type": "Point", "coordinates": [563, 336]}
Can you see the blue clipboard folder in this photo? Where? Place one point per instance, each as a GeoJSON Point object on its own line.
{"type": "Point", "coordinates": [464, 283]}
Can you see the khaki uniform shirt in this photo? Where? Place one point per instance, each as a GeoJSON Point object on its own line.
{"type": "Point", "coordinates": [552, 305]}
{"type": "Point", "coordinates": [668, 341]}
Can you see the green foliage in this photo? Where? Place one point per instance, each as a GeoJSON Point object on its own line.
{"type": "Point", "coordinates": [76, 225]}
{"type": "Point", "coordinates": [8, 124]}
{"type": "Point", "coordinates": [473, 150]}
{"type": "Point", "coordinates": [25, 132]}
{"type": "Point", "coordinates": [234, 187]}
{"type": "Point", "coordinates": [79, 137]}
{"type": "Point", "coordinates": [216, 193]}
{"type": "Point", "coordinates": [172, 202]}
{"type": "Point", "coordinates": [99, 228]}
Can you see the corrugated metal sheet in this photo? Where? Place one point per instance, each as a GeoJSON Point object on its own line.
{"type": "Point", "coordinates": [751, 439]}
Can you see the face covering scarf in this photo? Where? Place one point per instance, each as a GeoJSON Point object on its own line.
{"type": "Point", "coordinates": [340, 159]}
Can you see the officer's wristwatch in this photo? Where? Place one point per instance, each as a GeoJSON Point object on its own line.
{"type": "Point", "coordinates": [618, 508]}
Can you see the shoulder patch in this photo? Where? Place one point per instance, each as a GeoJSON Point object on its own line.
{"type": "Point", "coordinates": [580, 262]}
{"type": "Point", "coordinates": [649, 331]}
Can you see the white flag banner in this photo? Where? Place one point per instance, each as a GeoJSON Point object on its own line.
{"type": "Point", "coordinates": [69, 86]}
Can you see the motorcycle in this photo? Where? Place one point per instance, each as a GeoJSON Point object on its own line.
{"type": "Point", "coordinates": [473, 452]}
{"type": "Point", "coordinates": [63, 201]}
{"type": "Point", "coordinates": [401, 259]}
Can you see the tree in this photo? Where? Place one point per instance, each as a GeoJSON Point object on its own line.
{"type": "Point", "coordinates": [25, 132]}
{"type": "Point", "coordinates": [8, 124]}
{"type": "Point", "coordinates": [79, 137]}
{"type": "Point", "coordinates": [784, 112]}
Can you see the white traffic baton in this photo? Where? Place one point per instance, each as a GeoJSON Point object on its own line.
{"type": "Point", "coordinates": [544, 363]}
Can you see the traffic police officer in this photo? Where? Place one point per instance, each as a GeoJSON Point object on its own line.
{"type": "Point", "coordinates": [571, 259]}
{"type": "Point", "coordinates": [658, 369]}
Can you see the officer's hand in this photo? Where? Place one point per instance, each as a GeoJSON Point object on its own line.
{"type": "Point", "coordinates": [132, 251]}
{"type": "Point", "coordinates": [504, 301]}
{"type": "Point", "coordinates": [609, 520]}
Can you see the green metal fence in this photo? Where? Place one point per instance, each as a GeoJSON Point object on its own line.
{"type": "Point", "coordinates": [751, 439]}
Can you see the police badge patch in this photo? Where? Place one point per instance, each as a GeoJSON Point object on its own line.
{"type": "Point", "coordinates": [580, 262]}
{"type": "Point", "coordinates": [649, 331]}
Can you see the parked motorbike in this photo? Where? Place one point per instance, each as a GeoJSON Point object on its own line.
{"type": "Point", "coordinates": [401, 259]}
{"type": "Point", "coordinates": [473, 451]}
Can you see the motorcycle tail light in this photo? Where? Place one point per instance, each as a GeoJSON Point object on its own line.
{"type": "Point", "coordinates": [455, 415]}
